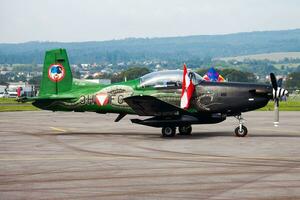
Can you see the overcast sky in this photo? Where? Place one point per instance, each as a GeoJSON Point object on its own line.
{"type": "Point", "coordinates": [91, 20]}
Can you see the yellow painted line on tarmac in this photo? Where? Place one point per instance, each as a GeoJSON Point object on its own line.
{"type": "Point", "coordinates": [58, 129]}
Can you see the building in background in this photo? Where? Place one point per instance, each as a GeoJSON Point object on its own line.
{"type": "Point", "coordinates": [12, 89]}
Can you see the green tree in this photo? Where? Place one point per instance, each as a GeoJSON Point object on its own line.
{"type": "Point", "coordinates": [76, 73]}
{"type": "Point", "coordinates": [36, 80]}
{"type": "Point", "coordinates": [293, 80]}
{"type": "Point", "coordinates": [131, 73]}
{"type": "Point", "coordinates": [232, 75]}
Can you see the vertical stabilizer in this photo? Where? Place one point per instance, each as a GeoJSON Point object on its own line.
{"type": "Point", "coordinates": [57, 76]}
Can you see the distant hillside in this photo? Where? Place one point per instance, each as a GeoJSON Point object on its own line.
{"type": "Point", "coordinates": [170, 49]}
{"type": "Point", "coordinates": [265, 56]}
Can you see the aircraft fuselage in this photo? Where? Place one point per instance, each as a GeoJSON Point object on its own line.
{"type": "Point", "coordinates": [209, 97]}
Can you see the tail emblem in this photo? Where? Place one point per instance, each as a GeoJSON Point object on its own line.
{"type": "Point", "coordinates": [56, 72]}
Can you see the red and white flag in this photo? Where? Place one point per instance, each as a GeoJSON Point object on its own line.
{"type": "Point", "coordinates": [187, 89]}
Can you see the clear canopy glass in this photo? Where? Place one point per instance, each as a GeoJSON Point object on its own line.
{"type": "Point", "coordinates": [167, 78]}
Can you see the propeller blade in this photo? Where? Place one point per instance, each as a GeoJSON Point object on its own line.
{"type": "Point", "coordinates": [276, 112]}
{"type": "Point", "coordinates": [273, 81]}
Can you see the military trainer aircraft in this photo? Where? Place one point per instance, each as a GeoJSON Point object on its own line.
{"type": "Point", "coordinates": [174, 98]}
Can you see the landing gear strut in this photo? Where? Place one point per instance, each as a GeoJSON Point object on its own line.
{"type": "Point", "coordinates": [241, 130]}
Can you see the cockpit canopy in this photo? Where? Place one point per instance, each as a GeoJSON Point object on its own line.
{"type": "Point", "coordinates": [170, 78]}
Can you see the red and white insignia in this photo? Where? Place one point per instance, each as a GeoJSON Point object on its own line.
{"type": "Point", "coordinates": [101, 99]}
{"type": "Point", "coordinates": [187, 89]}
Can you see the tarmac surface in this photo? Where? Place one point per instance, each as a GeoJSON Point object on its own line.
{"type": "Point", "coordinates": [46, 155]}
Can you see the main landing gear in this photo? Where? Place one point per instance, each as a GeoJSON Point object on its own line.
{"type": "Point", "coordinates": [241, 130]}
{"type": "Point", "coordinates": [185, 130]}
{"type": "Point", "coordinates": [170, 131]}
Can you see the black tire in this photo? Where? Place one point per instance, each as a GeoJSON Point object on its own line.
{"type": "Point", "coordinates": [242, 133]}
{"type": "Point", "coordinates": [168, 131]}
{"type": "Point", "coordinates": [185, 130]}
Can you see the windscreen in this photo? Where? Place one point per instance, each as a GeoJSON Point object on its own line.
{"type": "Point", "coordinates": [167, 78]}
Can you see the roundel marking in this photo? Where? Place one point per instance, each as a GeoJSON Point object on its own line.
{"type": "Point", "coordinates": [56, 72]}
{"type": "Point", "coordinates": [101, 99]}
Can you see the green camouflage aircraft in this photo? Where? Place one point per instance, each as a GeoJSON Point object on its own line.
{"type": "Point", "coordinates": [173, 98]}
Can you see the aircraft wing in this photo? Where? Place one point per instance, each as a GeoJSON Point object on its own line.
{"type": "Point", "coordinates": [151, 106]}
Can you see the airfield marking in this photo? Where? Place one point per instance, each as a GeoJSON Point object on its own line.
{"type": "Point", "coordinates": [58, 129]}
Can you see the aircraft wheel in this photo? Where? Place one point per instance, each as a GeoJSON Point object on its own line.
{"type": "Point", "coordinates": [241, 133]}
{"type": "Point", "coordinates": [185, 130]}
{"type": "Point", "coordinates": [168, 131]}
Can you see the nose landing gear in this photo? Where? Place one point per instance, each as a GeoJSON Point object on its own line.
{"type": "Point", "coordinates": [241, 130]}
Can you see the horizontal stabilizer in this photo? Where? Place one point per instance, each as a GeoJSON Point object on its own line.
{"type": "Point", "coordinates": [51, 97]}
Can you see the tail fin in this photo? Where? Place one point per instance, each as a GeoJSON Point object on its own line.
{"type": "Point", "coordinates": [57, 74]}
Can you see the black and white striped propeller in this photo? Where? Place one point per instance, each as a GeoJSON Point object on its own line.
{"type": "Point", "coordinates": [278, 92]}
